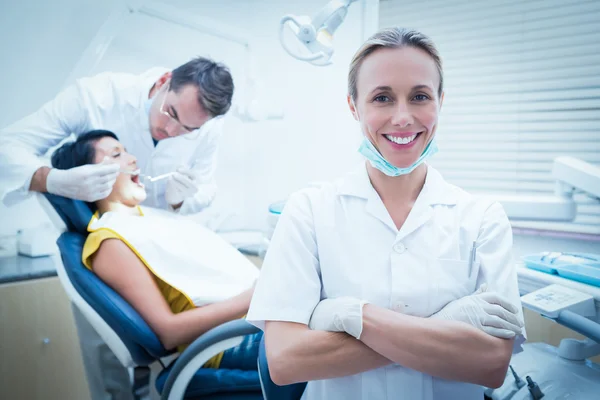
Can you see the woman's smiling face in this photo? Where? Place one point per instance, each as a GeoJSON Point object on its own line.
{"type": "Point", "coordinates": [397, 102]}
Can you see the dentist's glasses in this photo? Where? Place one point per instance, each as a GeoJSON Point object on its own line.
{"type": "Point", "coordinates": [181, 129]}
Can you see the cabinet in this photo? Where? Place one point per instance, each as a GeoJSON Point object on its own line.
{"type": "Point", "coordinates": [40, 356]}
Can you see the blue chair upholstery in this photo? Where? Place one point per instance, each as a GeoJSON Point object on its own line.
{"type": "Point", "coordinates": [212, 382]}
{"type": "Point", "coordinates": [135, 333]}
{"type": "Point", "coordinates": [75, 214]}
{"type": "Point", "coordinates": [271, 390]}
{"type": "Point", "coordinates": [142, 343]}
{"type": "Point", "coordinates": [137, 336]}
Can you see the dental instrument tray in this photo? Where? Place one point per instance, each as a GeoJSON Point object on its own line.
{"type": "Point", "coordinates": [580, 267]}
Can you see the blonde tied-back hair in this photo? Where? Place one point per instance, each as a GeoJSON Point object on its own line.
{"type": "Point", "coordinates": [393, 38]}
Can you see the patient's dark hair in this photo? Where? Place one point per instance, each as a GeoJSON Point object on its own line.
{"type": "Point", "coordinates": [79, 152]}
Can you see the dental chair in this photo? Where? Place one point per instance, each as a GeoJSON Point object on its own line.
{"type": "Point", "coordinates": [272, 391]}
{"type": "Point", "coordinates": [131, 339]}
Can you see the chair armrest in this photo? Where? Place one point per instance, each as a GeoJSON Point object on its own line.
{"type": "Point", "coordinates": [213, 342]}
{"type": "Point", "coordinates": [270, 390]}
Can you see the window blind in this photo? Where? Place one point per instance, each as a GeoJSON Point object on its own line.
{"type": "Point", "coordinates": [522, 86]}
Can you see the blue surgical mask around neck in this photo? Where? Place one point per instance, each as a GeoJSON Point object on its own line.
{"type": "Point", "coordinates": [377, 161]}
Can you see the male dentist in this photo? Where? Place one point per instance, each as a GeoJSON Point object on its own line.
{"type": "Point", "coordinates": [167, 119]}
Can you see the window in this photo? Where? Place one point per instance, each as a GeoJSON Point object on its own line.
{"type": "Point", "coordinates": [522, 84]}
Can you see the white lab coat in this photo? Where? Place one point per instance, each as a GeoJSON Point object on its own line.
{"type": "Point", "coordinates": [339, 240]}
{"type": "Point", "coordinates": [116, 102]}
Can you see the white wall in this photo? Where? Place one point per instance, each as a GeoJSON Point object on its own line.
{"type": "Point", "coordinates": [259, 162]}
{"type": "Point", "coordinates": [41, 41]}
{"type": "Point", "coordinates": [317, 139]}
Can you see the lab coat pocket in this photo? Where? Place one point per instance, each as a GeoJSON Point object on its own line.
{"type": "Point", "coordinates": [453, 279]}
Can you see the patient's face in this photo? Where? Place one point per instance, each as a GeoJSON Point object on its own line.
{"type": "Point", "coordinates": [127, 189]}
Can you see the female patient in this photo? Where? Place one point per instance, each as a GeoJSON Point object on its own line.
{"type": "Point", "coordinates": [182, 278]}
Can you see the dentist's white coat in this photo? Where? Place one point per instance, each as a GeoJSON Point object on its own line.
{"type": "Point", "coordinates": [115, 102]}
{"type": "Point", "coordinates": [339, 240]}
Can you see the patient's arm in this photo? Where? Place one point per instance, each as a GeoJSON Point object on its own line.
{"type": "Point", "coordinates": [123, 271]}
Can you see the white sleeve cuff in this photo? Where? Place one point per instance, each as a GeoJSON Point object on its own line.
{"type": "Point", "coordinates": [258, 319]}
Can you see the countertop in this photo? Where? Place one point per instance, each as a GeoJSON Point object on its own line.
{"type": "Point", "coordinates": [22, 268]}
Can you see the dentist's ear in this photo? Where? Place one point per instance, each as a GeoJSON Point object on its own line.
{"type": "Point", "coordinates": [441, 100]}
{"type": "Point", "coordinates": [352, 108]}
{"type": "Point", "coordinates": [163, 79]}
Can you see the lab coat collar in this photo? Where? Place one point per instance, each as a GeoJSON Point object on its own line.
{"type": "Point", "coordinates": [435, 191]}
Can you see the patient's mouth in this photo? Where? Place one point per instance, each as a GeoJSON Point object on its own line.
{"type": "Point", "coordinates": [135, 178]}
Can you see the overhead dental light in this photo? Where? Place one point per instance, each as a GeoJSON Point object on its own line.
{"type": "Point", "coordinates": [312, 40]}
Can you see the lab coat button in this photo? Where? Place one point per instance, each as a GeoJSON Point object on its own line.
{"type": "Point", "coordinates": [399, 307]}
{"type": "Point", "coordinates": [399, 248]}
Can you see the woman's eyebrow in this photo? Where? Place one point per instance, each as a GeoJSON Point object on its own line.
{"type": "Point", "coordinates": [382, 88]}
{"type": "Point", "coordinates": [417, 87]}
{"type": "Point", "coordinates": [118, 148]}
{"type": "Point", "coordinates": [389, 88]}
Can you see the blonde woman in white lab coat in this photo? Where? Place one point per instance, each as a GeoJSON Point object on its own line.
{"type": "Point", "coordinates": [168, 119]}
{"type": "Point", "coordinates": [411, 276]}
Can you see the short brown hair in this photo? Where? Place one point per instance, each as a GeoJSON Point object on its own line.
{"type": "Point", "coordinates": [213, 80]}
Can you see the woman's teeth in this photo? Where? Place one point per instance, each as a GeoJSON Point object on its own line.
{"type": "Point", "coordinates": [400, 140]}
{"type": "Point", "coordinates": [135, 177]}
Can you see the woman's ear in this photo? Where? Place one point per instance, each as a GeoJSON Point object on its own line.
{"type": "Point", "coordinates": [352, 107]}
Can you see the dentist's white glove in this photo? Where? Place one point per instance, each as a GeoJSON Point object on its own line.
{"type": "Point", "coordinates": [342, 314]}
{"type": "Point", "coordinates": [487, 311]}
{"type": "Point", "coordinates": [88, 182]}
{"type": "Point", "coordinates": [181, 185]}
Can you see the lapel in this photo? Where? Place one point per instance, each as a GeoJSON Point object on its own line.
{"type": "Point", "coordinates": [358, 184]}
{"type": "Point", "coordinates": [435, 191]}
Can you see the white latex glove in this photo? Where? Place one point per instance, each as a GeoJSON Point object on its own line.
{"type": "Point", "coordinates": [342, 314]}
{"type": "Point", "coordinates": [181, 185]}
{"type": "Point", "coordinates": [487, 311]}
{"type": "Point", "coordinates": [88, 182]}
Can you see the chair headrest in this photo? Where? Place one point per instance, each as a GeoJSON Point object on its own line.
{"type": "Point", "coordinates": [75, 213]}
